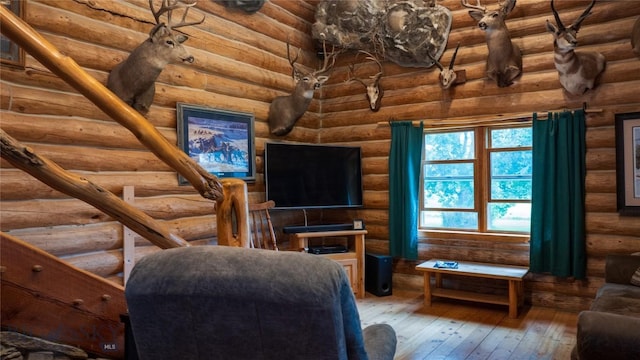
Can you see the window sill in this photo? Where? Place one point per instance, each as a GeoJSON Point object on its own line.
{"type": "Point", "coordinates": [469, 235]}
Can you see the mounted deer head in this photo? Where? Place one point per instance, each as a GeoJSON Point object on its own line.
{"type": "Point", "coordinates": [578, 70]}
{"type": "Point", "coordinates": [133, 80]}
{"type": "Point", "coordinates": [372, 85]}
{"type": "Point", "coordinates": [635, 37]}
{"type": "Point", "coordinates": [447, 76]}
{"type": "Point", "coordinates": [284, 111]}
{"type": "Point", "coordinates": [504, 62]}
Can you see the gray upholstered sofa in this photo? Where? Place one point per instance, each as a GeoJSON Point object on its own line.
{"type": "Point", "coordinates": [610, 329]}
{"type": "Point", "coordinates": [218, 302]}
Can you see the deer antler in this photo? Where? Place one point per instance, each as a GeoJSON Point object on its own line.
{"type": "Point", "coordinates": [453, 58]}
{"type": "Point", "coordinates": [557, 17]}
{"type": "Point", "coordinates": [352, 76]}
{"type": "Point", "coordinates": [435, 61]}
{"type": "Point", "coordinates": [168, 6]}
{"type": "Point", "coordinates": [331, 57]}
{"type": "Point", "coordinates": [451, 63]}
{"type": "Point", "coordinates": [576, 24]}
{"type": "Point", "coordinates": [294, 69]}
{"type": "Point", "coordinates": [375, 77]}
{"type": "Point", "coordinates": [476, 7]}
{"type": "Point", "coordinates": [329, 61]}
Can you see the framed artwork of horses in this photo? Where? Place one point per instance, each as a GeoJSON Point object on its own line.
{"type": "Point", "coordinates": [628, 163]}
{"type": "Point", "coordinates": [221, 141]}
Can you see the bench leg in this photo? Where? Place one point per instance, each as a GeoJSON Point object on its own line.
{"type": "Point", "coordinates": [513, 298]}
{"type": "Point", "coordinates": [520, 293]}
{"type": "Point", "coordinates": [427, 289]}
{"type": "Point", "coordinates": [438, 280]}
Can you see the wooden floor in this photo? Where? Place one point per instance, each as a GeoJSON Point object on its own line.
{"type": "Point", "coordinates": [452, 329]}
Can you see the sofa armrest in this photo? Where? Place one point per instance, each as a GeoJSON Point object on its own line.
{"type": "Point", "coordinates": [620, 268]}
{"type": "Point", "coordinates": [607, 336]}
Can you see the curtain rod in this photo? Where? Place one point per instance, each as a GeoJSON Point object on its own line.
{"type": "Point", "coordinates": [498, 119]}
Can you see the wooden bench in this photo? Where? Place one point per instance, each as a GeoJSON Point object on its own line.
{"type": "Point", "coordinates": [513, 274]}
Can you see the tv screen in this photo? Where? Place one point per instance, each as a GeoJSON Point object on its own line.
{"type": "Point", "coordinates": [304, 176]}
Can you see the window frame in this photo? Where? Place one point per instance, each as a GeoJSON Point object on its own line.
{"type": "Point", "coordinates": [482, 184]}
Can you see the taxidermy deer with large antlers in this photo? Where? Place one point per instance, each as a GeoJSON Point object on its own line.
{"type": "Point", "coordinates": [504, 62]}
{"type": "Point", "coordinates": [284, 111]}
{"type": "Point", "coordinates": [372, 85]}
{"type": "Point", "coordinates": [448, 76]}
{"type": "Point", "coordinates": [133, 80]}
{"type": "Point", "coordinates": [578, 70]}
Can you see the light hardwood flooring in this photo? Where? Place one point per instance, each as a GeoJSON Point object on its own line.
{"type": "Point", "coordinates": [452, 329]}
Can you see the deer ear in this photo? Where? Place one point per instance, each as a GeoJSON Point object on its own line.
{"type": "Point", "coordinates": [551, 28]}
{"type": "Point", "coordinates": [182, 38]}
{"type": "Point", "coordinates": [508, 7]}
{"type": "Point", "coordinates": [158, 31]}
{"type": "Point", "coordinates": [476, 14]}
{"type": "Point", "coordinates": [322, 79]}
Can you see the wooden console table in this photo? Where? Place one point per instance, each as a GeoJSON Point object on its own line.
{"type": "Point", "coordinates": [513, 274]}
{"type": "Point", "coordinates": [353, 261]}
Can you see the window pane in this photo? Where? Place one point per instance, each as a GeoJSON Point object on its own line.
{"type": "Point", "coordinates": [449, 146]}
{"type": "Point", "coordinates": [511, 175]}
{"type": "Point", "coordinates": [511, 189]}
{"type": "Point", "coordinates": [449, 219]}
{"type": "Point", "coordinates": [518, 137]}
{"type": "Point", "coordinates": [448, 186]}
{"type": "Point", "coordinates": [509, 217]}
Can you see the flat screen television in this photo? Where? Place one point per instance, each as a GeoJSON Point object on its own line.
{"type": "Point", "coordinates": [305, 176]}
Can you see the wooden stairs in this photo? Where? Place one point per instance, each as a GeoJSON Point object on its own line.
{"type": "Point", "coordinates": [46, 297]}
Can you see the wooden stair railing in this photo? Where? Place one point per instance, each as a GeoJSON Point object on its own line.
{"type": "Point", "coordinates": [207, 184]}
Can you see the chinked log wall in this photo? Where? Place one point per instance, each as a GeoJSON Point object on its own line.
{"type": "Point", "coordinates": [241, 65]}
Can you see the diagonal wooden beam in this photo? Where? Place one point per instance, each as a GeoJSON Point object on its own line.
{"type": "Point", "coordinates": [71, 184]}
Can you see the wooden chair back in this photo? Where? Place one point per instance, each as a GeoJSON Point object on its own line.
{"type": "Point", "coordinates": [262, 234]}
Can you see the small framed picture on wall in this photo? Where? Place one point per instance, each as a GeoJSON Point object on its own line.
{"type": "Point", "coordinates": [221, 141]}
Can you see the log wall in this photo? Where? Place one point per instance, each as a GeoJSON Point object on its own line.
{"type": "Point", "coordinates": [241, 65]}
{"type": "Point", "coordinates": [414, 94]}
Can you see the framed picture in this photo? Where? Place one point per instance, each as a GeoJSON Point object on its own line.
{"type": "Point", "coordinates": [628, 163]}
{"type": "Point", "coordinates": [10, 52]}
{"type": "Point", "coordinates": [220, 141]}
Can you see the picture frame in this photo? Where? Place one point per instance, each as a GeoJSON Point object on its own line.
{"type": "Point", "coordinates": [10, 52]}
{"type": "Point", "coordinates": [627, 127]}
{"type": "Point", "coordinates": [221, 141]}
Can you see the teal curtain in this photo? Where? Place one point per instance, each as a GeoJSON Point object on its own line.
{"type": "Point", "coordinates": [557, 203]}
{"type": "Point", "coordinates": [404, 189]}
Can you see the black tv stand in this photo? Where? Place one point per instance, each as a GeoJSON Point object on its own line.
{"type": "Point", "coordinates": [316, 228]}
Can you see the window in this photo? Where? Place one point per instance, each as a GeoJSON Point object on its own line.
{"type": "Point", "coordinates": [477, 180]}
